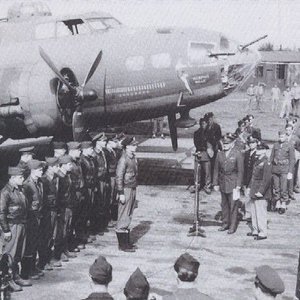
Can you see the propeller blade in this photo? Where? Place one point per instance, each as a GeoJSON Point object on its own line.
{"type": "Point", "coordinates": [92, 69]}
{"type": "Point", "coordinates": [49, 62]}
{"type": "Point", "coordinates": [173, 130]}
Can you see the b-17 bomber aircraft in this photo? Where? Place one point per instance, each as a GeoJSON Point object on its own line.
{"type": "Point", "coordinates": [76, 73]}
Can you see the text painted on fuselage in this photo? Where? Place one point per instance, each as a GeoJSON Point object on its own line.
{"type": "Point", "coordinates": [136, 90]}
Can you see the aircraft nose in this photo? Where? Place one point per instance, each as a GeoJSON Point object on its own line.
{"type": "Point", "coordinates": [238, 66]}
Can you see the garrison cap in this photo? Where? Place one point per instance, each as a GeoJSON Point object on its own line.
{"type": "Point", "coordinates": [270, 280]}
{"type": "Point", "coordinates": [251, 139]}
{"type": "Point", "coordinates": [101, 270]}
{"type": "Point", "coordinates": [208, 115]}
{"type": "Point", "coordinates": [35, 164]}
{"type": "Point", "coordinates": [100, 137]}
{"type": "Point", "coordinates": [73, 145]}
{"type": "Point", "coordinates": [65, 159]}
{"type": "Point", "coordinates": [26, 150]}
{"type": "Point", "coordinates": [137, 286]}
{"type": "Point", "coordinates": [15, 171]}
{"type": "Point", "coordinates": [187, 262]}
{"type": "Point", "coordinates": [59, 145]}
{"type": "Point", "coordinates": [228, 138]}
{"type": "Point", "coordinates": [129, 140]}
{"type": "Point", "coordinates": [51, 161]}
{"type": "Point", "coordinates": [86, 145]}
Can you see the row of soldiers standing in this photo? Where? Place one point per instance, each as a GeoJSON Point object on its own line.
{"type": "Point", "coordinates": [51, 209]}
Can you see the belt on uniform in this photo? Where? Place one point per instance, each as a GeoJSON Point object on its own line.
{"type": "Point", "coordinates": [282, 162]}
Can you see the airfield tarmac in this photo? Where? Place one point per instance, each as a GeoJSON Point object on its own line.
{"type": "Point", "coordinates": [159, 228]}
{"type": "Point", "coordinates": [161, 222]}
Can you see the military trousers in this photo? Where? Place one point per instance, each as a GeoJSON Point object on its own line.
{"type": "Point", "coordinates": [16, 246]}
{"type": "Point", "coordinates": [229, 211]}
{"type": "Point", "coordinates": [125, 211]}
{"type": "Point", "coordinates": [113, 203]}
{"type": "Point", "coordinates": [33, 235]}
{"type": "Point", "coordinates": [280, 190]}
{"type": "Point", "coordinates": [204, 173]}
{"type": "Point", "coordinates": [259, 217]}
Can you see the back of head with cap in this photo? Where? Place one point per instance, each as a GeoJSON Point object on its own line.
{"type": "Point", "coordinates": [137, 286]}
{"type": "Point", "coordinates": [101, 271]}
{"type": "Point", "coordinates": [186, 267]}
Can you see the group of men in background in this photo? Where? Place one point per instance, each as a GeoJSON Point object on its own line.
{"type": "Point", "coordinates": [51, 209]}
{"type": "Point", "coordinates": [241, 165]}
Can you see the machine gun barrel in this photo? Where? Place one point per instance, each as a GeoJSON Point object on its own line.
{"type": "Point", "coordinates": [253, 42]}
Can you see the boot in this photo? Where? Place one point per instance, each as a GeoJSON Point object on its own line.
{"type": "Point", "coordinates": [26, 267]}
{"type": "Point", "coordinates": [123, 242]}
{"type": "Point", "coordinates": [14, 287]}
{"type": "Point", "coordinates": [130, 245]}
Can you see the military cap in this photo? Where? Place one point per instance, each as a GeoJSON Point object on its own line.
{"type": "Point", "coordinates": [59, 145]}
{"type": "Point", "coordinates": [99, 137]}
{"type": "Point", "coordinates": [270, 280]}
{"type": "Point", "coordinates": [251, 139]}
{"type": "Point", "coordinates": [101, 270]}
{"type": "Point", "coordinates": [73, 145]}
{"type": "Point", "coordinates": [187, 262]}
{"type": "Point", "coordinates": [241, 123]}
{"type": "Point", "coordinates": [129, 140]}
{"type": "Point", "coordinates": [202, 120]}
{"type": "Point", "coordinates": [263, 146]}
{"type": "Point", "coordinates": [137, 286]}
{"type": "Point", "coordinates": [65, 159]}
{"type": "Point", "coordinates": [86, 145]}
{"type": "Point", "coordinates": [35, 164]}
{"type": "Point", "coordinates": [120, 136]}
{"type": "Point", "coordinates": [15, 171]}
{"type": "Point", "coordinates": [51, 161]}
{"type": "Point", "coordinates": [227, 138]}
{"type": "Point", "coordinates": [26, 150]}
{"type": "Point", "coordinates": [208, 115]}
{"type": "Point", "coordinates": [250, 116]}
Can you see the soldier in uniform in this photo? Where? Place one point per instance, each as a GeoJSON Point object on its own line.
{"type": "Point", "coordinates": [249, 160]}
{"type": "Point", "coordinates": [101, 276]}
{"type": "Point", "coordinates": [26, 156]}
{"type": "Point", "coordinates": [137, 286]}
{"type": "Point", "coordinates": [79, 239]}
{"type": "Point", "coordinates": [214, 134]}
{"type": "Point", "coordinates": [60, 149]}
{"type": "Point", "coordinates": [13, 218]}
{"type": "Point", "coordinates": [65, 196]}
{"type": "Point", "coordinates": [250, 129]}
{"type": "Point", "coordinates": [201, 145]}
{"type": "Point", "coordinates": [186, 267]}
{"type": "Point", "coordinates": [89, 172]}
{"type": "Point", "coordinates": [228, 177]}
{"type": "Point", "coordinates": [33, 190]}
{"type": "Point", "coordinates": [113, 156]}
{"type": "Point", "coordinates": [50, 184]}
{"type": "Point", "coordinates": [126, 181]}
{"type": "Point", "coordinates": [268, 283]}
{"type": "Point", "coordinates": [103, 209]}
{"type": "Point", "coordinates": [283, 161]}
{"type": "Point", "coordinates": [260, 192]}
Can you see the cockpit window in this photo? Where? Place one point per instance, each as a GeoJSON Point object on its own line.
{"type": "Point", "coordinates": [103, 23]}
{"type": "Point", "coordinates": [71, 27]}
{"type": "Point", "coordinates": [45, 31]}
{"type": "Point", "coordinates": [198, 52]}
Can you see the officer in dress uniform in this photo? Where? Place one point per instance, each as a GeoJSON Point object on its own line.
{"type": "Point", "coordinates": [137, 287]}
{"type": "Point", "coordinates": [26, 155]}
{"type": "Point", "coordinates": [283, 161]}
{"type": "Point", "coordinates": [65, 197]}
{"type": "Point", "coordinates": [33, 190]}
{"type": "Point", "coordinates": [126, 182]}
{"type": "Point", "coordinates": [50, 184]}
{"type": "Point", "coordinates": [13, 219]}
{"type": "Point", "coordinates": [78, 236]}
{"type": "Point", "coordinates": [249, 159]}
{"type": "Point", "coordinates": [89, 172]}
{"type": "Point", "coordinates": [101, 162]}
{"type": "Point", "coordinates": [268, 283]}
{"type": "Point", "coordinates": [186, 267]}
{"type": "Point", "coordinates": [101, 276]}
{"type": "Point", "coordinates": [260, 192]}
{"type": "Point", "coordinates": [228, 175]}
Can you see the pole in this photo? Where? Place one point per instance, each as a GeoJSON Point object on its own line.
{"type": "Point", "coordinates": [196, 229]}
{"type": "Point", "coordinates": [298, 280]}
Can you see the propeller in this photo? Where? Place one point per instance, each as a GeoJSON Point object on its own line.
{"type": "Point", "coordinates": [77, 93]}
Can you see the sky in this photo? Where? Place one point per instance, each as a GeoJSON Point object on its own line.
{"type": "Point", "coordinates": [242, 20]}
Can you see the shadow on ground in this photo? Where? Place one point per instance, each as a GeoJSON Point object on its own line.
{"type": "Point", "coordinates": [140, 230]}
